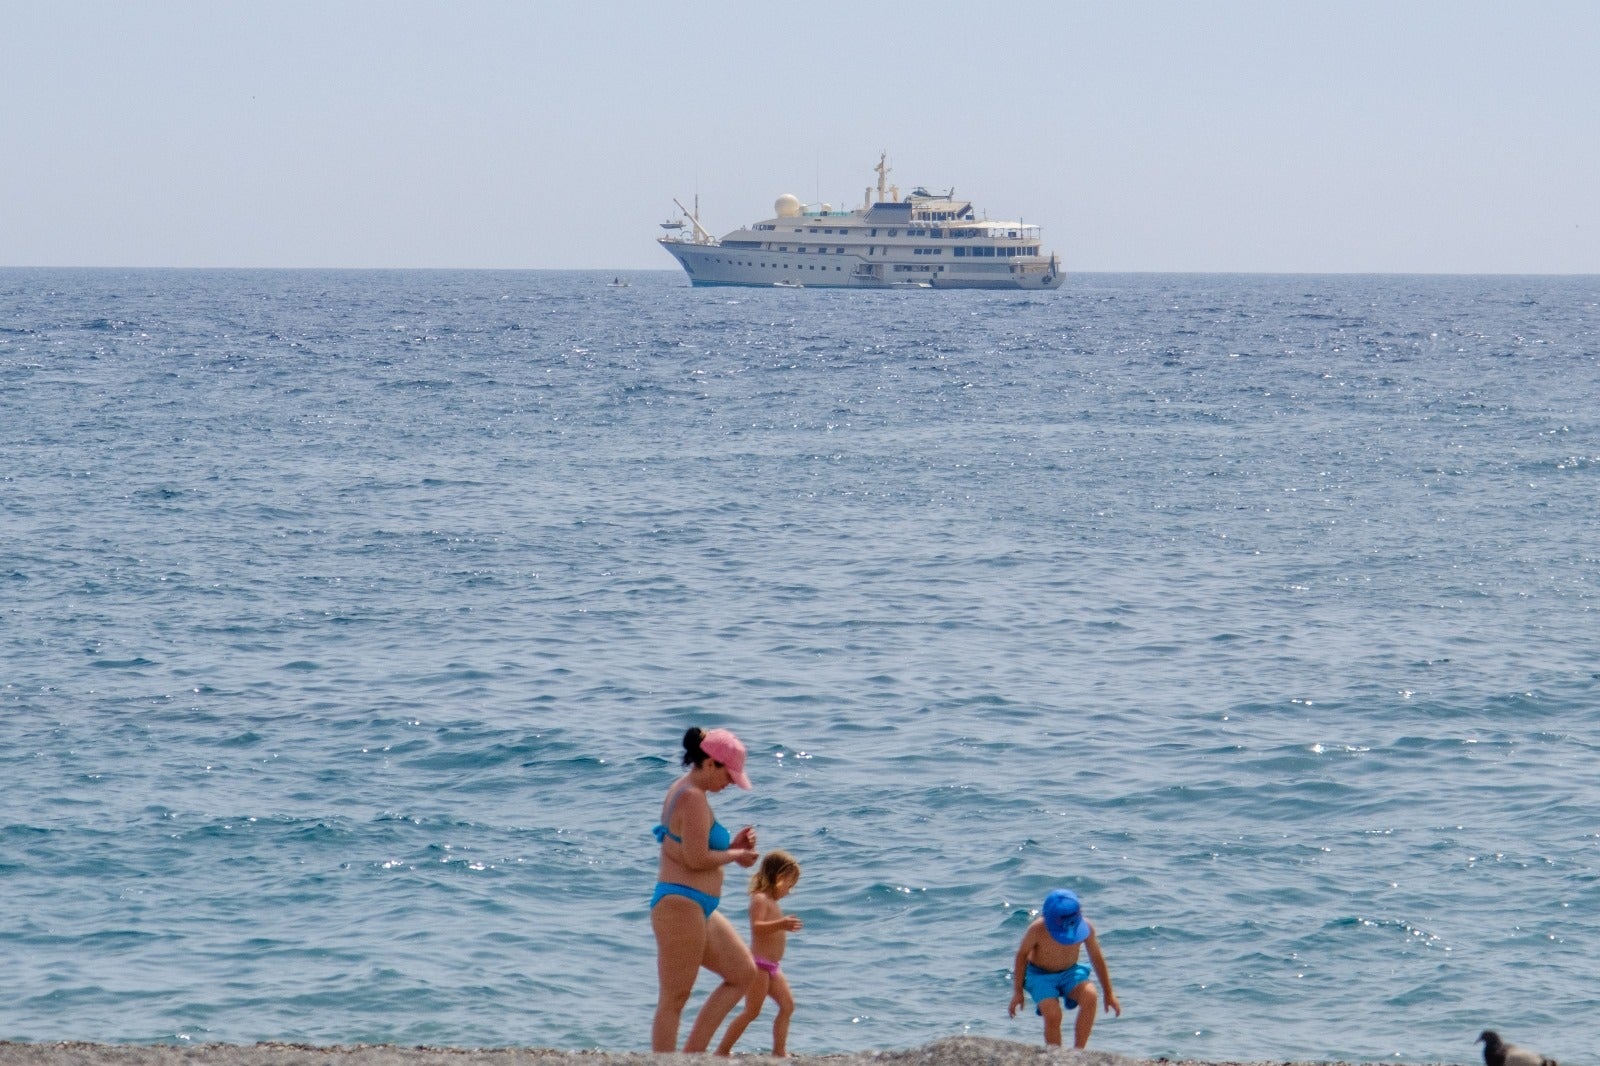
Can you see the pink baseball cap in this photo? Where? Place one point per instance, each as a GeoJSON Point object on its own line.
{"type": "Point", "coordinates": [724, 747]}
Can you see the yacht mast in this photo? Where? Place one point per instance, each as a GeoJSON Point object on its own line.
{"type": "Point", "coordinates": [701, 234]}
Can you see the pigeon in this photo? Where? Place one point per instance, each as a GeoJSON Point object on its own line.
{"type": "Point", "coordinates": [1497, 1052]}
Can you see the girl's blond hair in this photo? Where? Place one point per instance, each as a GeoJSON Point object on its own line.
{"type": "Point", "coordinates": [774, 865]}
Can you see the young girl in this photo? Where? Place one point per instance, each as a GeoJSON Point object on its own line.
{"type": "Point", "coordinates": [769, 932]}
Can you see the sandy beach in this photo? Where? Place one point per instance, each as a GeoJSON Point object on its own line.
{"type": "Point", "coordinates": [953, 1051]}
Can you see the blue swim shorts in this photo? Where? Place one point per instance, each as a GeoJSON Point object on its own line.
{"type": "Point", "coordinates": [1046, 984]}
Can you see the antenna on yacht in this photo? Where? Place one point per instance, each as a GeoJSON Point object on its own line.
{"type": "Point", "coordinates": [883, 169]}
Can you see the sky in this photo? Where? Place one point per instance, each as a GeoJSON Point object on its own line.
{"type": "Point", "coordinates": [1400, 136]}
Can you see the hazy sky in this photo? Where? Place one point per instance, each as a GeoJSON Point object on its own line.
{"type": "Point", "coordinates": [1240, 136]}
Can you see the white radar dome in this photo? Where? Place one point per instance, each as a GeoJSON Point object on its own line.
{"type": "Point", "coordinates": [787, 205]}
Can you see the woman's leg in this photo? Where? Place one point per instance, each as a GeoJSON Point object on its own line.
{"type": "Point", "coordinates": [680, 928]}
{"type": "Point", "coordinates": [753, 999]}
{"type": "Point", "coordinates": [726, 956]}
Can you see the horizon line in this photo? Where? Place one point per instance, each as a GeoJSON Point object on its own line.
{"type": "Point", "coordinates": [672, 270]}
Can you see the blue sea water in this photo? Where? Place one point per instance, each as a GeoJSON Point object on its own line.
{"type": "Point", "coordinates": [351, 621]}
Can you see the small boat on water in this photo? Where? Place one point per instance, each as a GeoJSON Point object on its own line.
{"type": "Point", "coordinates": [618, 283]}
{"type": "Point", "coordinates": [924, 241]}
{"type": "Point", "coordinates": [788, 283]}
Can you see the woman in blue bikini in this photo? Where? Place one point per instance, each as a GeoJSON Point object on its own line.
{"type": "Point", "coordinates": [689, 931]}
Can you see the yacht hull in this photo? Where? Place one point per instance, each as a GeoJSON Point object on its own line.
{"type": "Point", "coordinates": [711, 264]}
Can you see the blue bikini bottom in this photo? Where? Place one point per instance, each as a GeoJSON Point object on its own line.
{"type": "Point", "coordinates": [708, 903]}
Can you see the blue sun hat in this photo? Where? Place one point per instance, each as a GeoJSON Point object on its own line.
{"type": "Point", "coordinates": [1063, 917]}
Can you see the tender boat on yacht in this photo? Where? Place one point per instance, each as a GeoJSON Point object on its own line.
{"type": "Point", "coordinates": [926, 240]}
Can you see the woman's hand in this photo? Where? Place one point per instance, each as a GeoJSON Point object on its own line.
{"type": "Point", "coordinates": [745, 857]}
{"type": "Point", "coordinates": [744, 838]}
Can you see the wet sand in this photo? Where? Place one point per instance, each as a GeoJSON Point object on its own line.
{"type": "Point", "coordinates": [954, 1051]}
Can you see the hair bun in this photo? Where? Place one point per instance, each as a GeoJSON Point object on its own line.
{"type": "Point", "coordinates": [691, 746]}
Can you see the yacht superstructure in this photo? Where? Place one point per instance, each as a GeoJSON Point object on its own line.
{"type": "Point", "coordinates": [926, 240]}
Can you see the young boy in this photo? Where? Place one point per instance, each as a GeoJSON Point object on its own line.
{"type": "Point", "coordinates": [1047, 964]}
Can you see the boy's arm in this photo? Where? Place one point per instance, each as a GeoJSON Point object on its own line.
{"type": "Point", "coordinates": [1019, 968]}
{"type": "Point", "coordinates": [1098, 961]}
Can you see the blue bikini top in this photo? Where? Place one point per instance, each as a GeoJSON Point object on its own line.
{"type": "Point", "coordinates": [719, 839]}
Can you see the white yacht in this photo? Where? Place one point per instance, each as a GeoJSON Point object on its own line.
{"type": "Point", "coordinates": [924, 241]}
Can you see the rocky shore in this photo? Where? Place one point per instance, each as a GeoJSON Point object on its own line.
{"type": "Point", "coordinates": [953, 1051]}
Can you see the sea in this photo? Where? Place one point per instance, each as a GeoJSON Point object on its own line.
{"type": "Point", "coordinates": [351, 621]}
